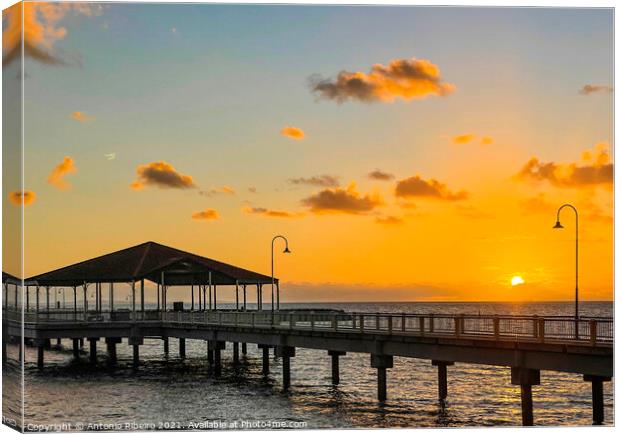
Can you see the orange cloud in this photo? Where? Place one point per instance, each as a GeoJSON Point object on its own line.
{"type": "Point", "coordinates": [403, 78]}
{"type": "Point", "coordinates": [595, 88]}
{"type": "Point", "coordinates": [389, 220]}
{"type": "Point", "coordinates": [41, 29]}
{"type": "Point", "coordinates": [81, 117]}
{"type": "Point", "coordinates": [339, 200]}
{"type": "Point", "coordinates": [486, 140]}
{"type": "Point", "coordinates": [317, 181]}
{"type": "Point", "coordinates": [207, 214]}
{"type": "Point", "coordinates": [463, 139]}
{"type": "Point", "coordinates": [293, 133]}
{"type": "Point", "coordinates": [537, 204]}
{"type": "Point", "coordinates": [57, 175]}
{"type": "Point", "coordinates": [379, 175]}
{"type": "Point", "coordinates": [22, 197]}
{"type": "Point", "coordinates": [598, 169]}
{"type": "Point", "coordinates": [225, 189]}
{"type": "Point", "coordinates": [415, 186]}
{"type": "Point", "coordinates": [161, 174]}
{"type": "Point", "coordinates": [271, 213]}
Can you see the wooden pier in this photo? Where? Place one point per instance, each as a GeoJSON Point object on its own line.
{"type": "Point", "coordinates": [525, 344]}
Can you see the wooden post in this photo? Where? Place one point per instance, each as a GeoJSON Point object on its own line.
{"type": "Point", "coordinates": [85, 301]}
{"type": "Point", "coordinates": [214, 297]}
{"type": "Point", "coordinates": [142, 296]}
{"type": "Point", "coordinates": [210, 281]}
{"type": "Point", "coordinates": [381, 362]}
{"type": "Point", "coordinates": [75, 301]}
{"type": "Point", "coordinates": [192, 309]}
{"type": "Point", "coordinates": [245, 306]}
{"type": "Point", "coordinates": [442, 378]}
{"type": "Point", "coordinates": [525, 378]}
{"type": "Point", "coordinates": [47, 299]}
{"type": "Point", "coordinates": [111, 299]}
{"type": "Point", "coordinates": [237, 294]}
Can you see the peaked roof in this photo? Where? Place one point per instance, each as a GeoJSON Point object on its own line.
{"type": "Point", "coordinates": [9, 278]}
{"type": "Point", "coordinates": [148, 261]}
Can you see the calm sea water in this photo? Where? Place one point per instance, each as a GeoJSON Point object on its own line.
{"type": "Point", "coordinates": [173, 393]}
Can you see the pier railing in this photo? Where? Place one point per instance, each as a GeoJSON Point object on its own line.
{"type": "Point", "coordinates": [499, 327]}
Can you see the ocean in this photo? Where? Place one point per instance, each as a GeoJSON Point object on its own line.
{"type": "Point", "coordinates": [184, 394]}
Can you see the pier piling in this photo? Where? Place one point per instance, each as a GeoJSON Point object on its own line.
{"type": "Point", "coordinates": [382, 363]}
{"type": "Point", "coordinates": [442, 378]}
{"type": "Point", "coordinates": [76, 349]}
{"type": "Point", "coordinates": [40, 354]}
{"type": "Point", "coordinates": [182, 348]}
{"type": "Point", "coordinates": [92, 342]}
{"type": "Point", "coordinates": [265, 349]}
{"type": "Point", "coordinates": [111, 347]}
{"type": "Point", "coordinates": [598, 404]}
{"type": "Point", "coordinates": [166, 346]}
{"type": "Point", "coordinates": [244, 348]}
{"type": "Point", "coordinates": [335, 355]}
{"type": "Point", "coordinates": [526, 378]}
{"type": "Point", "coordinates": [215, 348]}
{"type": "Point", "coordinates": [236, 353]}
{"type": "Point", "coordinates": [135, 342]}
{"type": "Point", "coordinates": [286, 353]}
{"type": "Point", "coordinates": [59, 342]}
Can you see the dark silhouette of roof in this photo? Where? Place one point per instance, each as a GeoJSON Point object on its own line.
{"type": "Point", "coordinates": [148, 261]}
{"type": "Point", "coordinates": [9, 278]}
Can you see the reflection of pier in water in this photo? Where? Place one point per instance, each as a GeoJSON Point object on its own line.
{"type": "Point", "coordinates": [527, 345]}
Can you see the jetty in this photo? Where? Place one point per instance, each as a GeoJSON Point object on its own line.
{"type": "Point", "coordinates": [525, 344]}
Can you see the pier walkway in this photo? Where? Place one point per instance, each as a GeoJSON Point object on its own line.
{"type": "Point", "coordinates": [525, 344]}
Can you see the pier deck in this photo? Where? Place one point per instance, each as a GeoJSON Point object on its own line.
{"type": "Point", "coordinates": [525, 344]}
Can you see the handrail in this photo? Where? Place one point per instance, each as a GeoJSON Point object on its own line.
{"type": "Point", "coordinates": [461, 326]}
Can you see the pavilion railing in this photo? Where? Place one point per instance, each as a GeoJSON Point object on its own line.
{"type": "Point", "coordinates": [506, 327]}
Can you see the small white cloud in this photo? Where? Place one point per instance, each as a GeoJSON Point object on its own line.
{"type": "Point", "coordinates": [111, 156]}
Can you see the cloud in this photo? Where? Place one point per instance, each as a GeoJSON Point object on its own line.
{"type": "Point", "coordinates": [161, 174]}
{"type": "Point", "coordinates": [81, 117]}
{"type": "Point", "coordinates": [41, 29]}
{"type": "Point", "coordinates": [271, 212]}
{"type": "Point", "coordinates": [379, 175]}
{"type": "Point", "coordinates": [317, 181]}
{"type": "Point", "coordinates": [293, 133]}
{"type": "Point", "coordinates": [22, 197]}
{"type": "Point", "coordinates": [537, 204]}
{"type": "Point", "coordinates": [225, 189]}
{"type": "Point", "coordinates": [339, 200]}
{"type": "Point", "coordinates": [589, 89]}
{"type": "Point", "coordinates": [207, 214]}
{"type": "Point", "coordinates": [110, 156]}
{"type": "Point", "coordinates": [57, 175]}
{"type": "Point", "coordinates": [403, 78]}
{"type": "Point", "coordinates": [389, 220]}
{"type": "Point", "coordinates": [463, 139]}
{"type": "Point", "coordinates": [252, 189]}
{"type": "Point", "coordinates": [597, 169]}
{"type": "Point", "coordinates": [415, 186]}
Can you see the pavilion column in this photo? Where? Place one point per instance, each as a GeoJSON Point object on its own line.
{"type": "Point", "coordinates": [85, 300]}
{"type": "Point", "coordinates": [201, 291]}
{"type": "Point", "coordinates": [163, 297]}
{"type": "Point", "coordinates": [214, 297]}
{"type": "Point", "coordinates": [47, 298]}
{"type": "Point", "coordinates": [27, 299]}
{"type": "Point", "coordinates": [258, 297]}
{"type": "Point", "coordinates": [237, 294]}
{"type": "Point", "coordinates": [133, 299]}
{"type": "Point", "coordinates": [75, 301]}
{"type": "Point", "coordinates": [210, 299]}
{"type": "Point", "coordinates": [142, 295]}
{"type": "Point", "coordinates": [16, 299]}
{"type": "Point", "coordinates": [210, 283]}
{"type": "Point", "coordinates": [278, 295]}
{"type": "Point", "coordinates": [158, 307]}
{"type": "Point", "coordinates": [245, 306]}
{"type": "Point", "coordinates": [193, 297]}
{"type": "Point", "coordinates": [37, 305]}
{"type": "Point", "coordinates": [111, 298]}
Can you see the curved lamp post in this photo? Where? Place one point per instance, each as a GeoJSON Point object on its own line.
{"type": "Point", "coordinates": [273, 280]}
{"type": "Point", "coordinates": [558, 225]}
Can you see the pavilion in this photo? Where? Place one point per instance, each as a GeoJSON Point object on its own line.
{"type": "Point", "coordinates": [9, 279]}
{"type": "Point", "coordinates": [163, 265]}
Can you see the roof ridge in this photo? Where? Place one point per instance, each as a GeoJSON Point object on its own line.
{"type": "Point", "coordinates": [141, 262]}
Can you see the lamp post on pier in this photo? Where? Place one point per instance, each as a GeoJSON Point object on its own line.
{"type": "Point", "coordinates": [273, 280]}
{"type": "Point", "coordinates": [558, 225]}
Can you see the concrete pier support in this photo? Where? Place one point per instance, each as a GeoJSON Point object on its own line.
{"type": "Point", "coordinates": [265, 349]}
{"type": "Point", "coordinates": [216, 347]}
{"type": "Point", "coordinates": [20, 349]}
{"type": "Point", "coordinates": [40, 355]}
{"type": "Point", "coordinates": [236, 353]}
{"type": "Point", "coordinates": [59, 342]}
{"type": "Point", "coordinates": [598, 404]}
{"type": "Point", "coordinates": [244, 348]}
{"type": "Point", "coordinates": [442, 378]}
{"type": "Point", "coordinates": [382, 363]}
{"type": "Point", "coordinates": [111, 347]}
{"type": "Point", "coordinates": [335, 355]}
{"type": "Point", "coordinates": [81, 342]}
{"type": "Point", "coordinates": [135, 342]}
{"type": "Point", "coordinates": [526, 378]}
{"type": "Point", "coordinates": [166, 346]}
{"type": "Point", "coordinates": [286, 353]}
{"type": "Point", "coordinates": [92, 343]}
{"type": "Point", "coordinates": [76, 349]}
{"type": "Point", "coordinates": [48, 344]}
{"type": "Point", "coordinates": [182, 348]}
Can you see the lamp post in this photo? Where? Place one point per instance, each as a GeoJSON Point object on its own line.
{"type": "Point", "coordinates": [558, 225]}
{"type": "Point", "coordinates": [273, 280]}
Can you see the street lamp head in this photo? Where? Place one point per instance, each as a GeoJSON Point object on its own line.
{"type": "Point", "coordinates": [286, 250]}
{"type": "Point", "coordinates": [558, 225]}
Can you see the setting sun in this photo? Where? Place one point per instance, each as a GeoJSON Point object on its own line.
{"type": "Point", "coordinates": [517, 280]}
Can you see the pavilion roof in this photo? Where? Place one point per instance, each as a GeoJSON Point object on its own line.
{"type": "Point", "coordinates": [9, 278]}
{"type": "Point", "coordinates": [148, 261]}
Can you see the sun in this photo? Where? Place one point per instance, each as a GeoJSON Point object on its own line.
{"type": "Point", "coordinates": [517, 280]}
